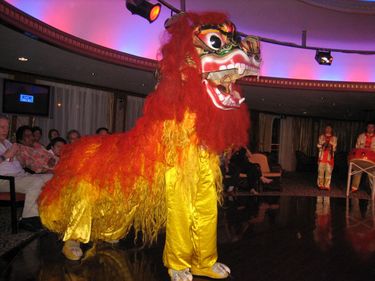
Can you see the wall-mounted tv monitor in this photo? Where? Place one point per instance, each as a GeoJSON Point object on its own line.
{"type": "Point", "coordinates": [25, 98]}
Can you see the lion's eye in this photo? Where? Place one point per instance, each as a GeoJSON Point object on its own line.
{"type": "Point", "coordinates": [215, 42]}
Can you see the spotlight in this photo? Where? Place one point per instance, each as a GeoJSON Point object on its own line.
{"type": "Point", "coordinates": [144, 9]}
{"type": "Point", "coordinates": [323, 57]}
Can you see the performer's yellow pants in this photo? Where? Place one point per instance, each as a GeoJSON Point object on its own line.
{"type": "Point", "coordinates": [324, 174]}
{"type": "Point", "coordinates": [191, 217]}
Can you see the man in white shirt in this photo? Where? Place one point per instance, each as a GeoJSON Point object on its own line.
{"type": "Point", "coordinates": [365, 141]}
{"type": "Point", "coordinates": [28, 184]}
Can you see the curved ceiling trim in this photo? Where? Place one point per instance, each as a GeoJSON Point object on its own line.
{"type": "Point", "coordinates": [360, 7]}
{"type": "Point", "coordinates": [309, 84]}
{"type": "Point", "coordinates": [49, 34]}
{"type": "Point", "coordinates": [22, 21]}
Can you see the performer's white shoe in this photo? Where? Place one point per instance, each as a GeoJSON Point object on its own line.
{"type": "Point", "coordinates": [180, 275]}
{"type": "Point", "coordinates": [72, 250]}
{"type": "Point", "coordinates": [217, 271]}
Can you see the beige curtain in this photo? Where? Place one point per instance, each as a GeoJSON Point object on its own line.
{"type": "Point", "coordinates": [287, 156]}
{"type": "Point", "coordinates": [73, 107]}
{"type": "Point", "coordinates": [307, 131]}
{"type": "Point", "coordinates": [304, 136]}
{"type": "Point", "coordinates": [134, 110]}
{"type": "Point", "coordinates": [265, 131]}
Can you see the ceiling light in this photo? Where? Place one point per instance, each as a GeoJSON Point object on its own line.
{"type": "Point", "coordinates": [144, 9]}
{"type": "Point", "coordinates": [323, 57]}
{"type": "Point", "coordinates": [23, 59]}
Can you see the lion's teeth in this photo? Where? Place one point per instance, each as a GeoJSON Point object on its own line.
{"type": "Point", "coordinates": [242, 68]}
{"type": "Point", "coordinates": [222, 67]}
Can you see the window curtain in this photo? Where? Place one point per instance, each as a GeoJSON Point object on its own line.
{"type": "Point", "coordinates": [287, 158]}
{"type": "Point", "coordinates": [265, 131]}
{"type": "Point", "coordinates": [134, 110]}
{"type": "Point", "coordinates": [305, 137]}
{"type": "Point", "coordinates": [73, 107]}
{"type": "Point", "coordinates": [307, 131]}
{"type": "Point", "coordinates": [301, 134]}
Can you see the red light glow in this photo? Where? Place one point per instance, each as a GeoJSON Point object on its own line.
{"type": "Point", "coordinates": [154, 13]}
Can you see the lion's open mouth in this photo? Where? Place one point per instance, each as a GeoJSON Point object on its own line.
{"type": "Point", "coordinates": [220, 74]}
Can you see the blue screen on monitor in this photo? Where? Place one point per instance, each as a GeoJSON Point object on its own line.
{"type": "Point", "coordinates": [26, 98]}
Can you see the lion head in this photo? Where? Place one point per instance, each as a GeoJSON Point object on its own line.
{"type": "Point", "coordinates": [202, 58]}
{"type": "Point", "coordinates": [224, 60]}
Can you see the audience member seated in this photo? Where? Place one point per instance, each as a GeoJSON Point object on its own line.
{"type": "Point", "coordinates": [102, 131]}
{"type": "Point", "coordinates": [56, 146]}
{"type": "Point", "coordinates": [72, 136]}
{"type": "Point", "coordinates": [30, 185]}
{"type": "Point", "coordinates": [237, 162]}
{"type": "Point", "coordinates": [37, 133]}
{"type": "Point", "coordinates": [52, 133]}
{"type": "Point", "coordinates": [31, 156]}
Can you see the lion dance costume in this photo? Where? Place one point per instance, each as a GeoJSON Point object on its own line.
{"type": "Point", "coordinates": [166, 171]}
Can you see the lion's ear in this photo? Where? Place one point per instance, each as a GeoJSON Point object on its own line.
{"type": "Point", "coordinates": [251, 45]}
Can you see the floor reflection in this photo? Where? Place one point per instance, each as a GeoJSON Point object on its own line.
{"type": "Point", "coordinates": [240, 213]}
{"type": "Point", "coordinates": [360, 226]}
{"type": "Point", "coordinates": [104, 263]}
{"type": "Point", "coordinates": [323, 227]}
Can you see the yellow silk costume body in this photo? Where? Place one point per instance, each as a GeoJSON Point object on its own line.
{"type": "Point", "coordinates": [192, 181]}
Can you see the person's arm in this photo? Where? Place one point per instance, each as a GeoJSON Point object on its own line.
{"type": "Point", "coordinates": [358, 143]}
{"type": "Point", "coordinates": [228, 155]}
{"type": "Point", "coordinates": [334, 143]}
{"type": "Point", "coordinates": [248, 153]}
{"type": "Point", "coordinates": [9, 153]}
{"type": "Point", "coordinates": [321, 141]}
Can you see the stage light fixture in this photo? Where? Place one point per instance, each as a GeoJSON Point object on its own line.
{"type": "Point", "coordinates": [323, 57]}
{"type": "Point", "coordinates": [144, 9]}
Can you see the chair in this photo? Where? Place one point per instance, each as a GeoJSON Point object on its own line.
{"type": "Point", "coordinates": [275, 173]}
{"type": "Point", "coordinates": [357, 166]}
{"type": "Point", "coordinates": [243, 183]}
{"type": "Point", "coordinates": [12, 199]}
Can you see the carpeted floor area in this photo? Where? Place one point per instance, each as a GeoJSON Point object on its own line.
{"type": "Point", "coordinates": [9, 241]}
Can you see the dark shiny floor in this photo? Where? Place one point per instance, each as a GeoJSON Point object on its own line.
{"type": "Point", "coordinates": [260, 238]}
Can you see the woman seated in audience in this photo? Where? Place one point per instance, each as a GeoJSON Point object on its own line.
{"type": "Point", "coordinates": [102, 131]}
{"type": "Point", "coordinates": [72, 136]}
{"type": "Point", "coordinates": [237, 162]}
{"type": "Point", "coordinates": [25, 183]}
{"type": "Point", "coordinates": [37, 133]}
{"type": "Point", "coordinates": [52, 133]}
{"type": "Point", "coordinates": [32, 156]}
{"type": "Point", "coordinates": [56, 146]}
